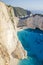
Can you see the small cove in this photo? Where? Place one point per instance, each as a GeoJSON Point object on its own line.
{"type": "Point", "coordinates": [32, 41]}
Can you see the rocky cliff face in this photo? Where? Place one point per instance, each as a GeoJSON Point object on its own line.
{"type": "Point", "coordinates": [10, 46]}
{"type": "Point", "coordinates": [34, 21]}
{"type": "Point", "coordinates": [21, 13]}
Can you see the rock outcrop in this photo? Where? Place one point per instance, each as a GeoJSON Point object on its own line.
{"type": "Point", "coordinates": [10, 46]}
{"type": "Point", "coordinates": [34, 21]}
{"type": "Point", "coordinates": [21, 13]}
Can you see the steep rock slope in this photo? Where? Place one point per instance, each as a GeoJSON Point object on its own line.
{"type": "Point", "coordinates": [21, 13]}
{"type": "Point", "coordinates": [34, 21]}
{"type": "Point", "coordinates": [8, 37]}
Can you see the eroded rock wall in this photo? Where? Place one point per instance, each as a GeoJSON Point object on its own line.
{"type": "Point", "coordinates": [8, 34]}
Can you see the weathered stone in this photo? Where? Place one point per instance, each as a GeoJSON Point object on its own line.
{"type": "Point", "coordinates": [8, 36]}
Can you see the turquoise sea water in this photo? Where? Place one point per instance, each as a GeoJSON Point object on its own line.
{"type": "Point", "coordinates": [32, 41]}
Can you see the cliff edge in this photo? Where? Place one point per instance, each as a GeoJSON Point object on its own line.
{"type": "Point", "coordinates": [10, 47]}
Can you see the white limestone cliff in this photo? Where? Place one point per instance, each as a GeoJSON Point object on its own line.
{"type": "Point", "coordinates": [8, 37]}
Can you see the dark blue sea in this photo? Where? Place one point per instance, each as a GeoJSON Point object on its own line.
{"type": "Point", "coordinates": [32, 41]}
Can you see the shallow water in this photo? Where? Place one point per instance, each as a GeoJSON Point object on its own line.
{"type": "Point", "coordinates": [32, 41]}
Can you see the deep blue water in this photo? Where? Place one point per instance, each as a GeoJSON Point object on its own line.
{"type": "Point", "coordinates": [32, 41]}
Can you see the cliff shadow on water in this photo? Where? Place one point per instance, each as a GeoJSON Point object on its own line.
{"type": "Point", "coordinates": [32, 41]}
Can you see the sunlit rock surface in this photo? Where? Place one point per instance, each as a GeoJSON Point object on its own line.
{"type": "Point", "coordinates": [10, 47]}
{"type": "Point", "coordinates": [34, 21]}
